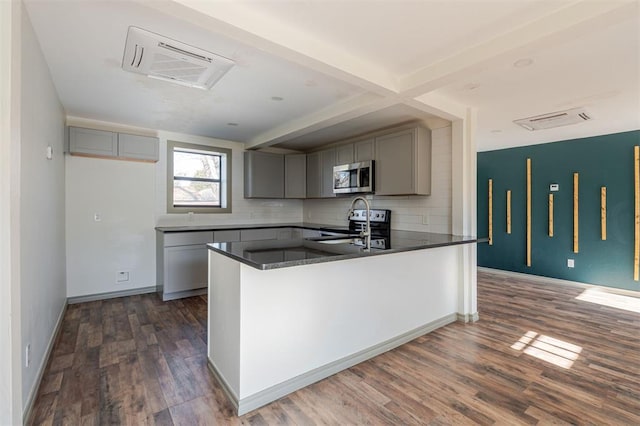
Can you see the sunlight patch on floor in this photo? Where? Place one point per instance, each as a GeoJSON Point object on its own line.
{"type": "Point", "coordinates": [549, 349]}
{"type": "Point", "coordinates": [613, 300]}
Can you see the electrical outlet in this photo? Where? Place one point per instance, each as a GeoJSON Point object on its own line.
{"type": "Point", "coordinates": [122, 276]}
{"type": "Point", "coordinates": [570, 263]}
{"type": "Point", "coordinates": [97, 217]}
{"type": "Point", "coordinates": [27, 355]}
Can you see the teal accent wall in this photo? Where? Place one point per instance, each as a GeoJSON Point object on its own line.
{"type": "Point", "coordinates": [600, 161]}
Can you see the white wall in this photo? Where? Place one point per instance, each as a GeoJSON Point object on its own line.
{"type": "Point", "coordinates": [130, 198]}
{"type": "Point", "coordinates": [243, 210]}
{"type": "Point", "coordinates": [122, 194]}
{"type": "Point", "coordinates": [10, 402]}
{"type": "Point", "coordinates": [430, 213]}
{"type": "Point", "coordinates": [42, 223]}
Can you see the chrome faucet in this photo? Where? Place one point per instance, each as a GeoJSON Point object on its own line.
{"type": "Point", "coordinates": [365, 233]}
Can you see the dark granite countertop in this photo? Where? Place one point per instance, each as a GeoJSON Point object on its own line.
{"type": "Point", "coordinates": [274, 254]}
{"type": "Point", "coordinates": [305, 225]}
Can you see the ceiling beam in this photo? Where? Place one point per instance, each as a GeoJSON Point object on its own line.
{"type": "Point", "coordinates": [241, 23]}
{"type": "Point", "coordinates": [564, 24]}
{"type": "Point", "coordinates": [355, 107]}
{"type": "Point", "coordinates": [436, 104]}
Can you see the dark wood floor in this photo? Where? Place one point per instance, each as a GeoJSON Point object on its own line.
{"type": "Point", "coordinates": [537, 356]}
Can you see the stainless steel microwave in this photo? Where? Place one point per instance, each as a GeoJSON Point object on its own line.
{"type": "Point", "coordinates": [354, 178]}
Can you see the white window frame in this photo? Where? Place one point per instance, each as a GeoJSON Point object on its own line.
{"type": "Point", "coordinates": [225, 177]}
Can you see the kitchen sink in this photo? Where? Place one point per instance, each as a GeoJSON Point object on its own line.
{"type": "Point", "coordinates": [353, 240]}
{"type": "Point", "coordinates": [340, 241]}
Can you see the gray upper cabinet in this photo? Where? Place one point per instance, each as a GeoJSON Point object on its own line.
{"type": "Point", "coordinates": [344, 154]}
{"type": "Point", "coordinates": [295, 176]}
{"type": "Point", "coordinates": [96, 143]}
{"type": "Point", "coordinates": [142, 148]}
{"type": "Point", "coordinates": [327, 160]}
{"type": "Point", "coordinates": [102, 143]}
{"type": "Point", "coordinates": [314, 175]}
{"type": "Point", "coordinates": [403, 162]}
{"type": "Point", "coordinates": [320, 173]}
{"type": "Point", "coordinates": [263, 175]}
{"type": "Point", "coordinates": [364, 150]}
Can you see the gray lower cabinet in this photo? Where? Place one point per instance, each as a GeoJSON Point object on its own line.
{"type": "Point", "coordinates": [309, 233]}
{"type": "Point", "coordinates": [182, 257]}
{"type": "Point", "coordinates": [105, 144]}
{"type": "Point", "coordinates": [403, 162]}
{"type": "Point", "coordinates": [226, 236]}
{"type": "Point", "coordinates": [182, 262]}
{"type": "Point", "coordinates": [258, 234]}
{"type": "Point", "coordinates": [185, 270]}
{"type": "Point", "coordinates": [263, 175]}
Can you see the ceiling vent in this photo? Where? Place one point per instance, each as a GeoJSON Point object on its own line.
{"type": "Point", "coordinates": [554, 119]}
{"type": "Point", "coordinates": [170, 60]}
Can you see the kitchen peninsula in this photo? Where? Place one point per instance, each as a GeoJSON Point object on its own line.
{"type": "Point", "coordinates": [286, 313]}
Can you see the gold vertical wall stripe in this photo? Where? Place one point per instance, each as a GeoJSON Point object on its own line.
{"type": "Point", "coordinates": [528, 211]}
{"type": "Point", "coordinates": [603, 213]}
{"type": "Point", "coordinates": [508, 211]}
{"type": "Point", "coordinates": [575, 212]}
{"type": "Point", "coordinates": [636, 255]}
{"type": "Point", "coordinates": [551, 215]}
{"type": "Point", "coordinates": [490, 212]}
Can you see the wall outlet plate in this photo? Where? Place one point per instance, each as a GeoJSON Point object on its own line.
{"type": "Point", "coordinates": [570, 263]}
{"type": "Point", "coordinates": [122, 276]}
{"type": "Point", "coordinates": [554, 187]}
{"type": "Point", "coordinates": [27, 355]}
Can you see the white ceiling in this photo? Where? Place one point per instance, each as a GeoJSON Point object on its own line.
{"type": "Point", "coordinates": [352, 66]}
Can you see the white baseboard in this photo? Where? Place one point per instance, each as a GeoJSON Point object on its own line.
{"type": "Point", "coordinates": [557, 281]}
{"type": "Point", "coordinates": [183, 294]}
{"type": "Point", "coordinates": [468, 317]}
{"type": "Point", "coordinates": [43, 365]}
{"type": "Point", "coordinates": [275, 392]}
{"type": "Point", "coordinates": [110, 295]}
{"type": "Point", "coordinates": [231, 396]}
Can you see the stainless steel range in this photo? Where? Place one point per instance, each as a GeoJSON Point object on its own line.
{"type": "Point", "coordinates": [380, 222]}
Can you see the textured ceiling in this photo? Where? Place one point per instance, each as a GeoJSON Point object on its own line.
{"type": "Point", "coordinates": [344, 68]}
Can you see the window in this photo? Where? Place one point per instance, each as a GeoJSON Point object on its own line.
{"type": "Point", "coordinates": [198, 178]}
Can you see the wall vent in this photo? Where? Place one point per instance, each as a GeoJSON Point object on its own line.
{"type": "Point", "coordinates": [170, 60]}
{"type": "Point", "coordinates": [554, 119]}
